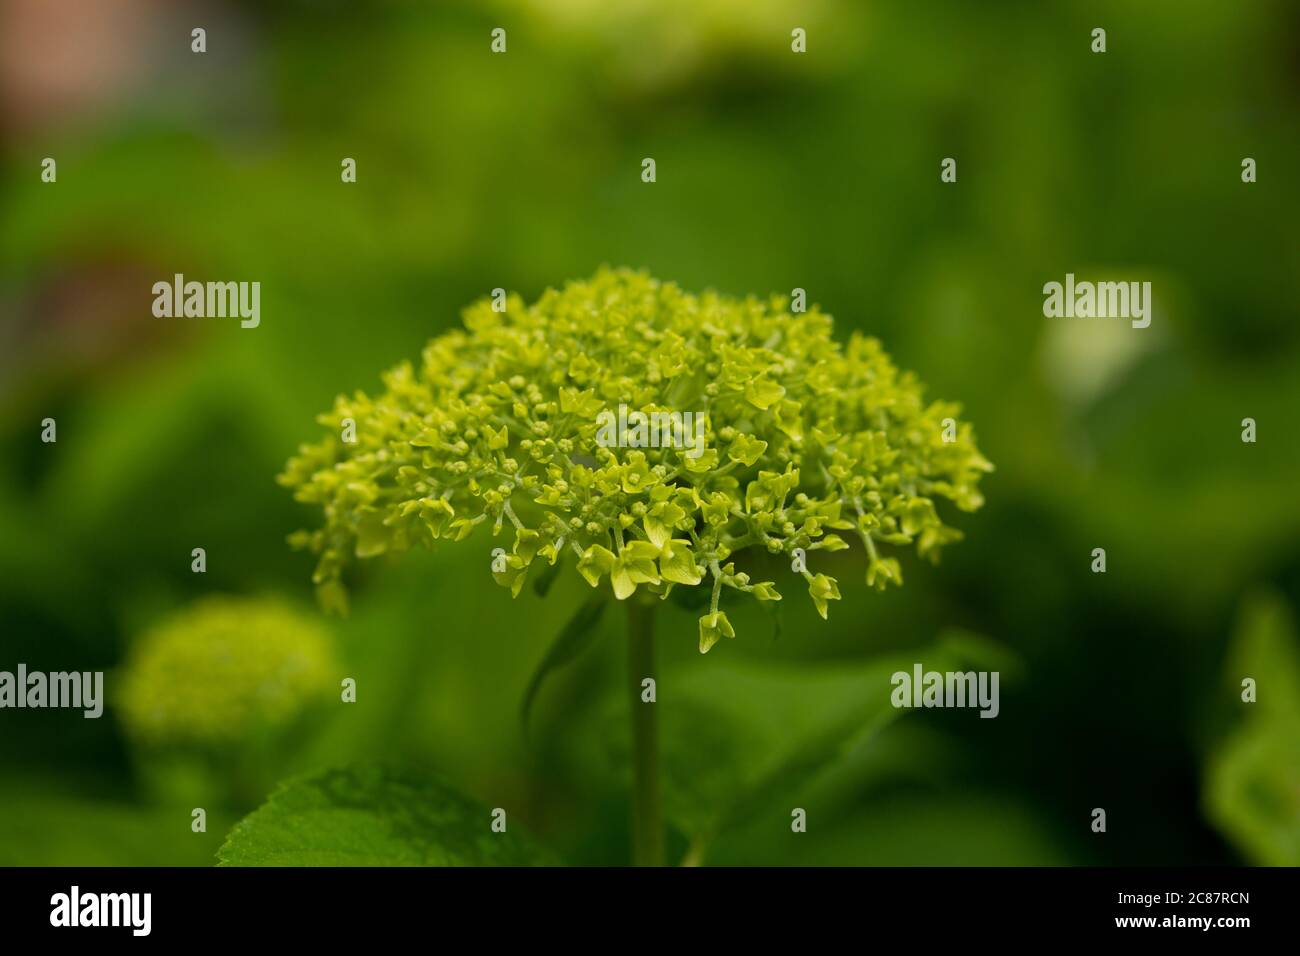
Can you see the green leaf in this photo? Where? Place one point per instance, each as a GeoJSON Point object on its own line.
{"type": "Point", "coordinates": [1252, 778]}
{"type": "Point", "coordinates": [742, 734]}
{"type": "Point", "coordinates": [918, 827]}
{"type": "Point", "coordinates": [1265, 647]}
{"type": "Point", "coordinates": [41, 824]}
{"type": "Point", "coordinates": [1252, 791]}
{"type": "Point", "coordinates": [690, 599]}
{"type": "Point", "coordinates": [575, 637]}
{"type": "Point", "coordinates": [542, 583]}
{"type": "Point", "coordinates": [370, 816]}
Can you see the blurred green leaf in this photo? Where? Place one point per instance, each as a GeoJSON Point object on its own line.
{"type": "Point", "coordinates": [740, 735]}
{"type": "Point", "coordinates": [1264, 647]}
{"type": "Point", "coordinates": [373, 817]}
{"type": "Point", "coordinates": [575, 637]}
{"type": "Point", "coordinates": [1252, 790]}
{"type": "Point", "coordinates": [900, 829]}
{"type": "Point", "coordinates": [38, 825]}
{"type": "Point", "coordinates": [542, 583]}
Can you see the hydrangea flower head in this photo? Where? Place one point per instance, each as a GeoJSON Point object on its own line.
{"type": "Point", "coordinates": [223, 669]}
{"type": "Point", "coordinates": [646, 436]}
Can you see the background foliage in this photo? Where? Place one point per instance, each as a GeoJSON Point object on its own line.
{"type": "Point", "coordinates": [774, 171]}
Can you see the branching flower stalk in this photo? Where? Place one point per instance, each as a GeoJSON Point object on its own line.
{"type": "Point", "coordinates": [805, 442]}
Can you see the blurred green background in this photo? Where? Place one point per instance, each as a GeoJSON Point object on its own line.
{"type": "Point", "coordinates": [775, 170]}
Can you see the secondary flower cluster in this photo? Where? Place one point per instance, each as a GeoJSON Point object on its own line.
{"type": "Point", "coordinates": [224, 669]}
{"type": "Point", "coordinates": [806, 443]}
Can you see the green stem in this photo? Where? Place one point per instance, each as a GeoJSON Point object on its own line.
{"type": "Point", "coordinates": [647, 820]}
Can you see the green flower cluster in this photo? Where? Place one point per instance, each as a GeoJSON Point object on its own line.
{"type": "Point", "coordinates": [222, 670]}
{"type": "Point", "coordinates": [806, 442]}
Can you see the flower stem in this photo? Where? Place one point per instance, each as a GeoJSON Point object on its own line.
{"type": "Point", "coordinates": [647, 821]}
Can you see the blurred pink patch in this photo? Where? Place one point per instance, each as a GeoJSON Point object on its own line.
{"type": "Point", "coordinates": [62, 58]}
